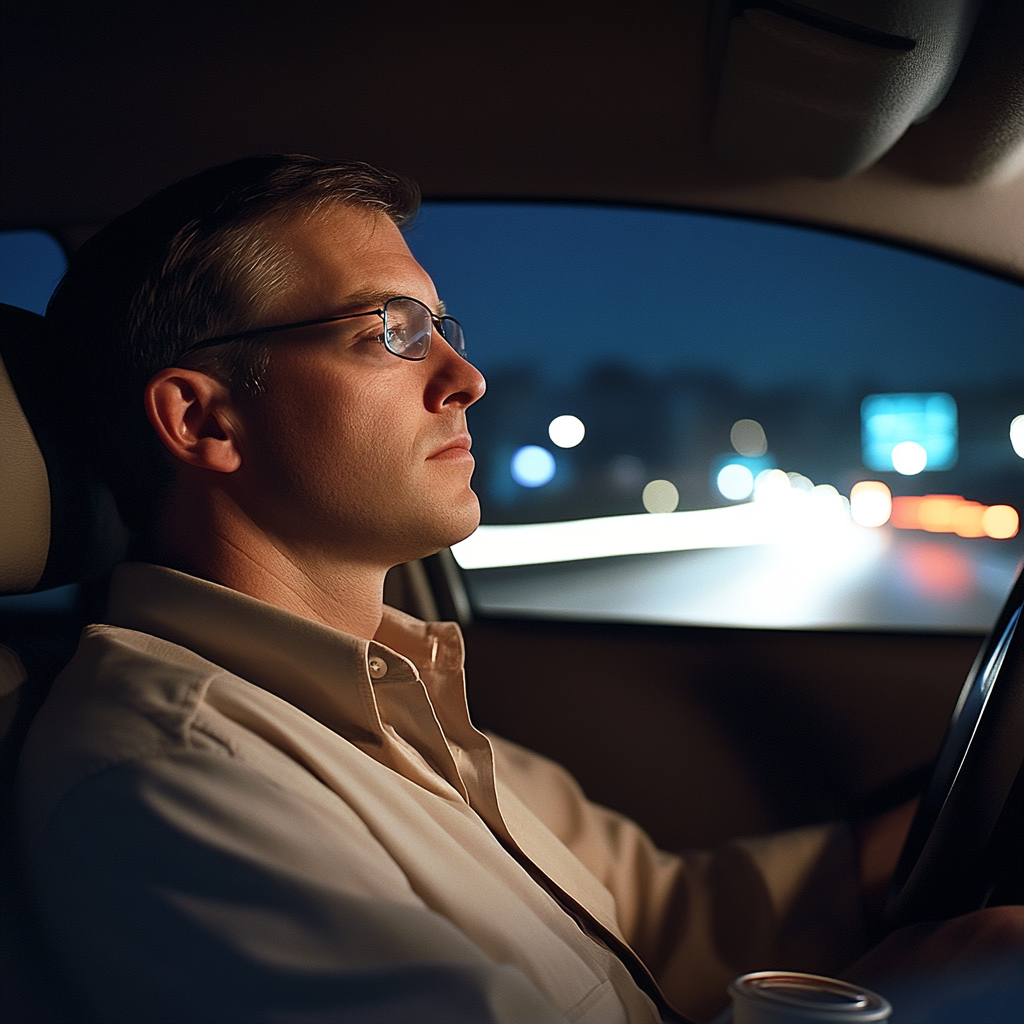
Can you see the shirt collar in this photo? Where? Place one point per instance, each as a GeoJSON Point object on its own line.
{"type": "Point", "coordinates": [322, 671]}
{"type": "Point", "coordinates": [418, 704]}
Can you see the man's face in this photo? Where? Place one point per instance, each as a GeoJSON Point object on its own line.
{"type": "Point", "coordinates": [352, 452]}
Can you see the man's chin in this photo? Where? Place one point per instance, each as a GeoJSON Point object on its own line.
{"type": "Point", "coordinates": [458, 522]}
{"type": "Point", "coordinates": [462, 530]}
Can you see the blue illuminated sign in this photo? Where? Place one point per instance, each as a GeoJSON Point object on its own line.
{"type": "Point", "coordinates": [929, 420]}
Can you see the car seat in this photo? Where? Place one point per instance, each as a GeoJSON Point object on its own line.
{"type": "Point", "coordinates": [59, 528]}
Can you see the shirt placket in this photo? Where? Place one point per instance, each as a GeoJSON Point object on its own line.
{"type": "Point", "coordinates": [452, 731]}
{"type": "Point", "coordinates": [410, 723]}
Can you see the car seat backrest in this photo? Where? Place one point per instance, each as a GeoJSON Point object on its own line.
{"type": "Point", "coordinates": [25, 497]}
{"type": "Point", "coordinates": [58, 524]}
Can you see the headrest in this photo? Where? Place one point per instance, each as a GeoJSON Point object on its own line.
{"type": "Point", "coordinates": [58, 524]}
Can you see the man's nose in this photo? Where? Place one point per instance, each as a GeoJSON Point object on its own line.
{"type": "Point", "coordinates": [453, 379]}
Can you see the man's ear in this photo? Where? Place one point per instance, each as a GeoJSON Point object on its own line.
{"type": "Point", "coordinates": [194, 417]}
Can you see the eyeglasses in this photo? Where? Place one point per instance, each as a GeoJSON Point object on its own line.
{"type": "Point", "coordinates": [408, 326]}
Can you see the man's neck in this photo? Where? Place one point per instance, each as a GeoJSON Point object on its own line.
{"type": "Point", "coordinates": [339, 592]}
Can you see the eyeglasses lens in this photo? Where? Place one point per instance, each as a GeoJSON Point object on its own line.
{"type": "Point", "coordinates": [407, 328]}
{"type": "Point", "coordinates": [451, 331]}
{"type": "Point", "coordinates": [408, 325]}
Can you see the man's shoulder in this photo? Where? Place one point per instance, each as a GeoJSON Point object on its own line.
{"type": "Point", "coordinates": [120, 673]}
{"type": "Point", "coordinates": [124, 696]}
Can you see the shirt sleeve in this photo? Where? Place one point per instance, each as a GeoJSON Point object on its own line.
{"type": "Point", "coordinates": [169, 899]}
{"type": "Point", "coordinates": [789, 901]}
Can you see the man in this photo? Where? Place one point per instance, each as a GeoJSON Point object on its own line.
{"type": "Point", "coordinates": [255, 794]}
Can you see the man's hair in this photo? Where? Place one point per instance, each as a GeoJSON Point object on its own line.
{"type": "Point", "coordinates": [198, 259]}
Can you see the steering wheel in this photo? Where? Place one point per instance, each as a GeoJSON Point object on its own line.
{"type": "Point", "coordinates": [965, 847]}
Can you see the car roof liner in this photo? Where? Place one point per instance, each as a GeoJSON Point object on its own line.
{"type": "Point", "coordinates": [103, 105]}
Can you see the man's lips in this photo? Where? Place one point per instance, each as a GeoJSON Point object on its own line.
{"type": "Point", "coordinates": [456, 449]}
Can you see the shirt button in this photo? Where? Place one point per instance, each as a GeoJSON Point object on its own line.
{"type": "Point", "coordinates": [378, 667]}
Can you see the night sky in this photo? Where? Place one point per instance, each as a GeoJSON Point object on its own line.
{"type": "Point", "coordinates": [765, 303]}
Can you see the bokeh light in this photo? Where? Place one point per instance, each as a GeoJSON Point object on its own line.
{"type": "Point", "coordinates": [748, 438]}
{"type": "Point", "coordinates": [938, 512]}
{"type": "Point", "coordinates": [969, 519]}
{"type": "Point", "coordinates": [661, 496]}
{"type": "Point", "coordinates": [566, 431]}
{"type": "Point", "coordinates": [909, 458]}
{"type": "Point", "coordinates": [771, 485]}
{"type": "Point", "coordinates": [532, 466]}
{"type": "Point", "coordinates": [1000, 522]}
{"type": "Point", "coordinates": [735, 482]}
{"type": "Point", "coordinates": [830, 502]}
{"type": "Point", "coordinates": [952, 513]}
{"type": "Point", "coordinates": [870, 503]}
{"type": "Point", "coordinates": [1017, 434]}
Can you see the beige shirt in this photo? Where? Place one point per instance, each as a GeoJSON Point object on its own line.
{"type": "Point", "coordinates": [234, 813]}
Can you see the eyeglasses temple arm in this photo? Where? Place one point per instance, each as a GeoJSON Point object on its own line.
{"type": "Point", "coordinates": [224, 339]}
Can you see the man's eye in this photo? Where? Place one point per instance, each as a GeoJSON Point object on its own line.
{"type": "Point", "coordinates": [370, 336]}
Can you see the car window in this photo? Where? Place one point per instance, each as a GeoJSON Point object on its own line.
{"type": "Point", "coordinates": [31, 264]}
{"type": "Point", "coordinates": [721, 421]}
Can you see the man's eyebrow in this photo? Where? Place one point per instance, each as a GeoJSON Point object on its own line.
{"type": "Point", "coordinates": [376, 298]}
{"type": "Point", "coordinates": [362, 300]}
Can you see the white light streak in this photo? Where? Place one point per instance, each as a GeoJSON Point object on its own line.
{"type": "Point", "coordinates": [772, 485]}
{"type": "Point", "coordinates": [796, 517]}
